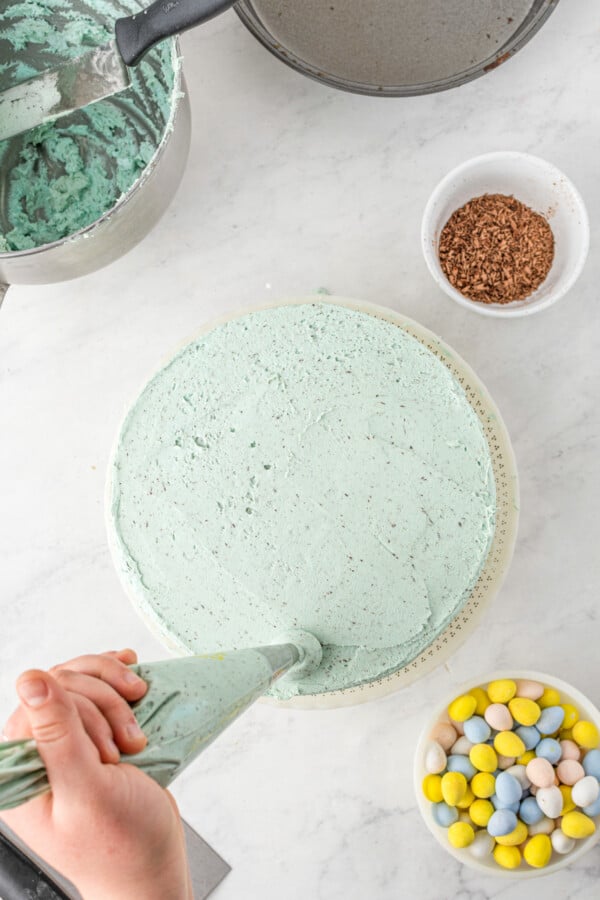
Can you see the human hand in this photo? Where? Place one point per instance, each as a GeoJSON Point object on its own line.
{"type": "Point", "coordinates": [106, 826]}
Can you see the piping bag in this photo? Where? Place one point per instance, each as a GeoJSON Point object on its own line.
{"type": "Point", "coordinates": [189, 702]}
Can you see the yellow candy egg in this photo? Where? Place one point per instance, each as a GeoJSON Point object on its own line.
{"type": "Point", "coordinates": [483, 785]}
{"type": "Point", "coordinates": [484, 757]}
{"type": "Point", "coordinates": [454, 787]}
{"type": "Point", "coordinates": [565, 734]}
{"type": "Point", "coordinates": [571, 716]}
{"type": "Point", "coordinates": [507, 743]}
{"type": "Point", "coordinates": [586, 734]}
{"type": "Point", "coordinates": [538, 851]}
{"type": "Point", "coordinates": [516, 837]}
{"type": "Point", "coordinates": [501, 691]}
{"type": "Point", "coordinates": [523, 711]}
{"type": "Point", "coordinates": [432, 788]}
{"type": "Point", "coordinates": [550, 697]}
{"type": "Point", "coordinates": [462, 708]}
{"type": "Point", "coordinates": [507, 857]}
{"type": "Point", "coordinates": [526, 757]}
{"type": "Point", "coordinates": [577, 825]}
{"type": "Point", "coordinates": [482, 700]}
{"type": "Point", "coordinates": [568, 804]}
{"type": "Point", "coordinates": [481, 812]}
{"type": "Point", "coordinates": [467, 799]}
{"type": "Point", "coordinates": [461, 834]}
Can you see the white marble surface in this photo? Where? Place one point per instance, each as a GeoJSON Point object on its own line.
{"type": "Point", "coordinates": [291, 187]}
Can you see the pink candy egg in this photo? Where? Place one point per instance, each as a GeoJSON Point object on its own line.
{"type": "Point", "coordinates": [540, 772]}
{"type": "Point", "coordinates": [569, 771]}
{"type": "Point", "coordinates": [570, 750]}
{"type": "Point", "coordinates": [444, 734]}
{"type": "Point", "coordinates": [505, 762]}
{"type": "Point", "coordinates": [497, 716]}
{"type": "Point", "coordinates": [531, 690]}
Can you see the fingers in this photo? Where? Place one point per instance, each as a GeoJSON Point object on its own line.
{"type": "Point", "coordinates": [110, 705]}
{"type": "Point", "coordinates": [67, 751]}
{"type": "Point", "coordinates": [110, 669]}
{"type": "Point", "coordinates": [17, 726]}
{"type": "Point", "coordinates": [98, 729]}
{"type": "Point", "coordinates": [127, 656]}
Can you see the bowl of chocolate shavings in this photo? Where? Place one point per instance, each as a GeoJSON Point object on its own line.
{"type": "Point", "coordinates": [505, 234]}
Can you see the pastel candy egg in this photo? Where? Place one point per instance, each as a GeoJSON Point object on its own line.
{"type": "Point", "coordinates": [529, 735]}
{"type": "Point", "coordinates": [462, 708]}
{"type": "Point", "coordinates": [507, 743]}
{"type": "Point", "coordinates": [515, 837]}
{"type": "Point", "coordinates": [560, 842]}
{"type": "Point", "coordinates": [538, 851]}
{"type": "Point", "coordinates": [550, 801]}
{"type": "Point", "coordinates": [585, 791]}
{"type": "Point", "coordinates": [497, 715]}
{"type": "Point", "coordinates": [593, 809]}
{"type": "Point", "coordinates": [570, 750]}
{"type": "Point", "coordinates": [461, 834]}
{"type": "Point", "coordinates": [526, 757]}
{"type": "Point", "coordinates": [507, 857]}
{"type": "Point", "coordinates": [508, 789]}
{"type": "Point", "coordinates": [459, 763]}
{"type": "Point", "coordinates": [549, 749]}
{"type": "Point", "coordinates": [520, 773]}
{"type": "Point", "coordinates": [569, 771]}
{"type": "Point", "coordinates": [484, 758]}
{"type": "Point", "coordinates": [482, 846]}
{"type": "Point", "coordinates": [529, 690]}
{"type": "Point", "coordinates": [550, 720]}
{"type": "Point", "coordinates": [502, 822]}
{"type": "Point", "coordinates": [529, 811]}
{"type": "Point", "coordinates": [504, 804]}
{"type": "Point", "coordinates": [544, 826]}
{"type": "Point", "coordinates": [540, 772]}
{"type": "Point", "coordinates": [483, 785]}
{"type": "Point", "coordinates": [523, 711]}
{"type": "Point", "coordinates": [568, 804]}
{"type": "Point", "coordinates": [505, 762]}
{"type": "Point", "coordinates": [481, 812]}
{"type": "Point", "coordinates": [432, 788]}
{"type": "Point", "coordinates": [444, 734]}
{"type": "Point", "coordinates": [591, 763]}
{"type": "Point", "coordinates": [454, 787]}
{"type": "Point", "coordinates": [577, 825]}
{"type": "Point", "coordinates": [443, 814]}
{"type": "Point", "coordinates": [466, 801]}
{"type": "Point", "coordinates": [462, 746]}
{"type": "Point", "coordinates": [435, 758]}
{"type": "Point", "coordinates": [550, 697]}
{"type": "Point", "coordinates": [502, 690]}
{"type": "Point", "coordinates": [571, 715]}
{"type": "Point", "coordinates": [463, 816]}
{"type": "Point", "coordinates": [482, 699]}
{"type": "Point", "coordinates": [477, 730]}
{"type": "Point", "coordinates": [586, 734]}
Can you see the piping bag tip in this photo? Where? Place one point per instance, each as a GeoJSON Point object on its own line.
{"type": "Point", "coordinates": [311, 652]}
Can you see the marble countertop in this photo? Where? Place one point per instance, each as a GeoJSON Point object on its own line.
{"type": "Point", "coordinates": [292, 187]}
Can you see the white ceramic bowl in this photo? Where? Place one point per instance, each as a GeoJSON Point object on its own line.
{"type": "Point", "coordinates": [539, 185]}
{"type": "Point", "coordinates": [568, 694]}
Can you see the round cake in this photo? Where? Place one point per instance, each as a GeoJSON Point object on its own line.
{"type": "Point", "coordinates": [307, 466]}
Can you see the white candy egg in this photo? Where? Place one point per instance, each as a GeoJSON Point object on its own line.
{"type": "Point", "coordinates": [462, 746]}
{"type": "Point", "coordinates": [435, 758]}
{"type": "Point", "coordinates": [561, 843]}
{"type": "Point", "coordinates": [544, 826]}
{"type": "Point", "coordinates": [482, 846]}
{"type": "Point", "coordinates": [550, 801]}
{"type": "Point", "coordinates": [585, 791]}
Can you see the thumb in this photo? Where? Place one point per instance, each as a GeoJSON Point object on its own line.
{"type": "Point", "coordinates": [71, 760]}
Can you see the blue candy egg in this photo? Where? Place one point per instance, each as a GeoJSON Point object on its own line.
{"type": "Point", "coordinates": [550, 720]}
{"type": "Point", "coordinates": [497, 803]}
{"type": "Point", "coordinates": [443, 814]}
{"type": "Point", "coordinates": [549, 749]}
{"type": "Point", "coordinates": [502, 822]}
{"type": "Point", "coordinates": [591, 763]}
{"type": "Point", "coordinates": [508, 789]}
{"type": "Point", "coordinates": [529, 735]}
{"type": "Point", "coordinates": [594, 808]}
{"type": "Point", "coordinates": [459, 763]}
{"type": "Point", "coordinates": [477, 730]}
{"type": "Point", "coordinates": [530, 812]}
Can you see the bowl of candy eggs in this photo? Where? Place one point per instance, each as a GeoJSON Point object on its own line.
{"type": "Point", "coordinates": [507, 774]}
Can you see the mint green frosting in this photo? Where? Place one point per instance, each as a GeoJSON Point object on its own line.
{"type": "Point", "coordinates": [304, 467]}
{"type": "Point", "coordinates": [62, 176]}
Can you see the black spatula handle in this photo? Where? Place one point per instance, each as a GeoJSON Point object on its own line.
{"type": "Point", "coordinates": [164, 18]}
